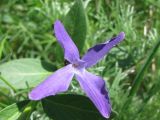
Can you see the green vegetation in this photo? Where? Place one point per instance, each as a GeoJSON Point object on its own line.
{"type": "Point", "coordinates": [131, 69]}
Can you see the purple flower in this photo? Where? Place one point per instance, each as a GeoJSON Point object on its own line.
{"type": "Point", "coordinates": [94, 86]}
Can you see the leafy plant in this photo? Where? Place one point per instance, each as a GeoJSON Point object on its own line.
{"type": "Point", "coordinates": [29, 53]}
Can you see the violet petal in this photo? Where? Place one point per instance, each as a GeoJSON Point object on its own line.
{"type": "Point", "coordinates": [97, 52]}
{"type": "Point", "coordinates": [57, 82]}
{"type": "Point", "coordinates": [94, 87]}
{"type": "Point", "coordinates": [71, 52]}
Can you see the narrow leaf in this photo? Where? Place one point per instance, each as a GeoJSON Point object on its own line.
{"type": "Point", "coordinates": [139, 78]}
{"type": "Point", "coordinates": [12, 112]}
{"type": "Point", "coordinates": [2, 47]}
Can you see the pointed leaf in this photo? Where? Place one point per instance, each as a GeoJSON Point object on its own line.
{"type": "Point", "coordinates": [76, 24]}
{"type": "Point", "coordinates": [13, 112]}
{"type": "Point", "coordinates": [70, 107]}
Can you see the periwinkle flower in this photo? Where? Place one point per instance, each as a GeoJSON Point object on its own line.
{"type": "Point", "coordinates": [94, 86]}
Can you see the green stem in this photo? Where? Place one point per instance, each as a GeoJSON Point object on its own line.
{"type": "Point", "coordinates": [139, 78]}
{"type": "Point", "coordinates": [7, 83]}
{"type": "Point", "coordinates": [28, 110]}
{"type": "Point", "coordinates": [2, 46]}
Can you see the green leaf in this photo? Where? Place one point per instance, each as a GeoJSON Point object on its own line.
{"type": "Point", "coordinates": [70, 107]}
{"type": "Point", "coordinates": [76, 23]}
{"type": "Point", "coordinates": [20, 72]}
{"type": "Point", "coordinates": [29, 108]}
{"type": "Point", "coordinates": [139, 77]}
{"type": "Point", "coordinates": [14, 111]}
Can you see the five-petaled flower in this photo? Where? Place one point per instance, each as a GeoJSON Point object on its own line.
{"type": "Point", "coordinates": [94, 86]}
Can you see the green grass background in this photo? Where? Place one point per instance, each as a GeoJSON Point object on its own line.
{"type": "Point", "coordinates": [26, 32]}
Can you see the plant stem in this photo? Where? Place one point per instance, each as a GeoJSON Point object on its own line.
{"type": "Point", "coordinates": [7, 83]}
{"type": "Point", "coordinates": [28, 110]}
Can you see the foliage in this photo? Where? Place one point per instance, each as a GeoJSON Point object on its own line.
{"type": "Point", "coordinates": [29, 53]}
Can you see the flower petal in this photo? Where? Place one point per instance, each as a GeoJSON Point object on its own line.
{"type": "Point", "coordinates": [71, 52]}
{"type": "Point", "coordinates": [55, 83]}
{"type": "Point", "coordinates": [94, 87]}
{"type": "Point", "coordinates": [97, 52]}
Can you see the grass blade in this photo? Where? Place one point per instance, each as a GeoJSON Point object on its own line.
{"type": "Point", "coordinates": [139, 78]}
